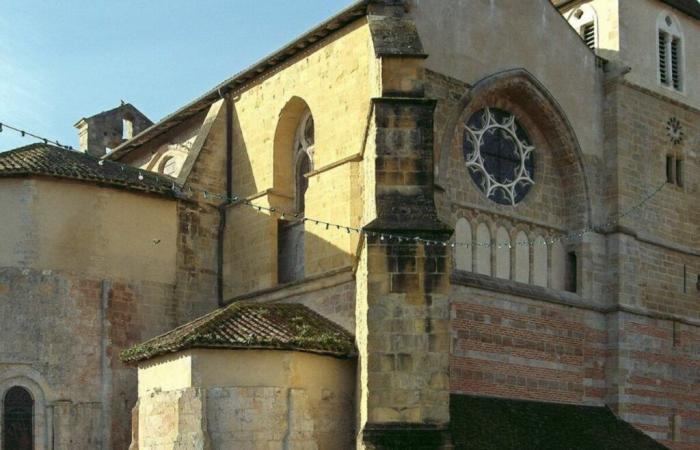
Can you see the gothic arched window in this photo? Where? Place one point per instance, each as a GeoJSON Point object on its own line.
{"type": "Point", "coordinates": [17, 420]}
{"type": "Point", "coordinates": [290, 244]}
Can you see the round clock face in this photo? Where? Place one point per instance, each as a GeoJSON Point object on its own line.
{"type": "Point", "coordinates": [499, 155]}
{"type": "Point", "coordinates": [674, 130]}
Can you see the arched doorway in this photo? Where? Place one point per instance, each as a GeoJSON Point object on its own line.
{"type": "Point", "coordinates": [18, 420]}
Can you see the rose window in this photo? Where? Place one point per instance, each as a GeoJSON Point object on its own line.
{"type": "Point", "coordinates": [499, 155]}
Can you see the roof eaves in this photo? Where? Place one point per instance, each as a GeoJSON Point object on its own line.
{"type": "Point", "coordinates": [47, 161]}
{"type": "Point", "coordinates": [329, 26]}
{"type": "Point", "coordinates": [689, 7]}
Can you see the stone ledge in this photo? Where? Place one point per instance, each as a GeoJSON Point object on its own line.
{"type": "Point", "coordinates": [516, 288]}
{"type": "Point", "coordinates": [310, 284]}
{"type": "Point", "coordinates": [509, 287]}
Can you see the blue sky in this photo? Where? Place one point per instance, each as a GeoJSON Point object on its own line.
{"type": "Point", "coordinates": [63, 60]}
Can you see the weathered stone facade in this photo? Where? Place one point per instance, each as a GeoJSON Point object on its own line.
{"type": "Point", "coordinates": [586, 292]}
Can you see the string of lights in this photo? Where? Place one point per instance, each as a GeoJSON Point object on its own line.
{"type": "Point", "coordinates": [383, 236]}
{"type": "Point", "coordinates": [24, 133]}
{"type": "Point", "coordinates": [393, 237]}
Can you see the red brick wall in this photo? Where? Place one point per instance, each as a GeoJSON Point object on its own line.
{"type": "Point", "coordinates": [657, 365]}
{"type": "Point", "coordinates": [525, 349]}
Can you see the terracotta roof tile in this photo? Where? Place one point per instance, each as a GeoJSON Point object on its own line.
{"type": "Point", "coordinates": [48, 160]}
{"type": "Point", "coordinates": [251, 325]}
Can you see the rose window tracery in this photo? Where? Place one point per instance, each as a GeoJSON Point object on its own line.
{"type": "Point", "coordinates": [499, 155]}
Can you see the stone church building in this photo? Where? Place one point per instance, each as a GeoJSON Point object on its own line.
{"type": "Point", "coordinates": [424, 224]}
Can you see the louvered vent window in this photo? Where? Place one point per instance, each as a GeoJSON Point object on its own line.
{"type": "Point", "coordinates": [588, 34]}
{"type": "Point", "coordinates": [663, 58]}
{"type": "Point", "coordinates": [676, 63]}
{"type": "Point", "coordinates": [670, 47]}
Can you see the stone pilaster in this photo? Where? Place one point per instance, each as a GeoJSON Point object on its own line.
{"type": "Point", "coordinates": [403, 286]}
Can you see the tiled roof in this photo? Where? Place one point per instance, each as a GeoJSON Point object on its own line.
{"type": "Point", "coordinates": [249, 325]}
{"type": "Point", "coordinates": [480, 423]}
{"type": "Point", "coordinates": [48, 160]}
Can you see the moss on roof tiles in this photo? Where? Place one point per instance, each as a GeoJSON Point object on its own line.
{"type": "Point", "coordinates": [48, 160]}
{"type": "Point", "coordinates": [249, 325]}
{"type": "Point", "coordinates": [480, 423]}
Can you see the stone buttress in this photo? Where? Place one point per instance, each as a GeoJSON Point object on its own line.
{"type": "Point", "coordinates": [402, 304]}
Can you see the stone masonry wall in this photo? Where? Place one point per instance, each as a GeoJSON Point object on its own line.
{"type": "Point", "coordinates": [174, 420]}
{"type": "Point", "coordinates": [660, 243]}
{"type": "Point", "coordinates": [653, 364]}
{"type": "Point", "coordinates": [58, 327]}
{"type": "Point", "coordinates": [228, 418]}
{"type": "Point", "coordinates": [333, 78]}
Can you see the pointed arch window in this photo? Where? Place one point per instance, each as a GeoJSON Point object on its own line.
{"type": "Point", "coordinates": [17, 419]}
{"type": "Point", "coordinates": [290, 245]}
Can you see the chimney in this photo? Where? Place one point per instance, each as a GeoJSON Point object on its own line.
{"type": "Point", "coordinates": [100, 134]}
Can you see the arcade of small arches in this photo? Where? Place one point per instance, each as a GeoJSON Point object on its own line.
{"type": "Point", "coordinates": [530, 256]}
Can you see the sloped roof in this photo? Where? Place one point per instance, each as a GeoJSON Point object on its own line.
{"type": "Point", "coordinates": [48, 160]}
{"type": "Point", "coordinates": [480, 423]}
{"type": "Point", "coordinates": [252, 326]}
{"type": "Point", "coordinates": [690, 7]}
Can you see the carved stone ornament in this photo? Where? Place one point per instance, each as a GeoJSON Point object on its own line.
{"type": "Point", "coordinates": [499, 155]}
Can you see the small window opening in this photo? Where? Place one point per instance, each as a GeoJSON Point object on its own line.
{"type": "Point", "coordinates": [571, 269]}
{"type": "Point", "coordinates": [679, 172]}
{"type": "Point", "coordinates": [127, 127]}
{"type": "Point", "coordinates": [18, 420]}
{"type": "Point", "coordinates": [588, 35]}
{"type": "Point", "coordinates": [697, 283]}
{"type": "Point", "coordinates": [670, 178]}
